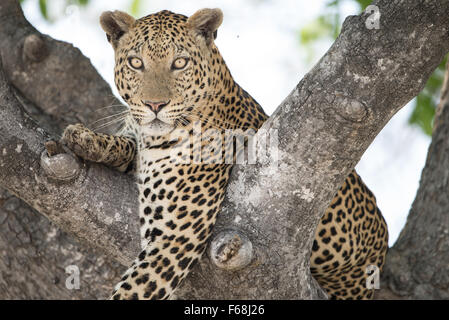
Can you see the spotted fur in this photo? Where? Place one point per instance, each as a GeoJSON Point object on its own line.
{"type": "Point", "coordinates": [351, 237]}
{"type": "Point", "coordinates": [172, 76]}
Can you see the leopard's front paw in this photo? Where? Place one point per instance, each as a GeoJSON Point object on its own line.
{"type": "Point", "coordinates": [83, 142]}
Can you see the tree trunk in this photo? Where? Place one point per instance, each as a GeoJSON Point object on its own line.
{"type": "Point", "coordinates": [322, 129]}
{"type": "Point", "coordinates": [418, 264]}
{"type": "Point", "coordinates": [56, 85]}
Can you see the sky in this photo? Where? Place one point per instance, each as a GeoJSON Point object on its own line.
{"type": "Point", "coordinates": [259, 40]}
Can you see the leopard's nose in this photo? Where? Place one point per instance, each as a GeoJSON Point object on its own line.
{"type": "Point", "coordinates": [155, 106]}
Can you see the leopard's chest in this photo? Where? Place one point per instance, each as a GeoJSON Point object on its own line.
{"type": "Point", "coordinates": [156, 181]}
{"type": "Point", "coordinates": [175, 195]}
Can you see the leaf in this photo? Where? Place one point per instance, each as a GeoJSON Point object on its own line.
{"type": "Point", "coordinates": [333, 3]}
{"type": "Point", "coordinates": [426, 102]}
{"type": "Point", "coordinates": [317, 29]}
{"type": "Point", "coordinates": [423, 113]}
{"type": "Point", "coordinates": [135, 8]}
{"type": "Point", "coordinates": [337, 27]}
{"type": "Point", "coordinates": [43, 8]}
{"type": "Point", "coordinates": [364, 3]}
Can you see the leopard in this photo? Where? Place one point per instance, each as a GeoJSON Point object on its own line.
{"type": "Point", "coordinates": [178, 89]}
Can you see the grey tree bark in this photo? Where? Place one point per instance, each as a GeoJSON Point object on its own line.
{"type": "Point", "coordinates": [323, 127]}
{"type": "Point", "coordinates": [418, 263]}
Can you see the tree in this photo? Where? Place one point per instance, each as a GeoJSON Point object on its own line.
{"type": "Point", "coordinates": [328, 26]}
{"type": "Point", "coordinates": [418, 263]}
{"type": "Point", "coordinates": [336, 111]}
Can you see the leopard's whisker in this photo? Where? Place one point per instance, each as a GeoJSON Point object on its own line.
{"type": "Point", "coordinates": [110, 106]}
{"type": "Point", "coordinates": [108, 117]}
{"type": "Point", "coordinates": [108, 123]}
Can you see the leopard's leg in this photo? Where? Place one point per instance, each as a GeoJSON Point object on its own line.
{"type": "Point", "coordinates": [165, 261]}
{"type": "Point", "coordinates": [114, 151]}
{"type": "Point", "coordinates": [175, 231]}
{"type": "Point", "coordinates": [157, 271]}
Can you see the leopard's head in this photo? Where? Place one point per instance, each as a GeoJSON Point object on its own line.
{"type": "Point", "coordinates": [166, 66]}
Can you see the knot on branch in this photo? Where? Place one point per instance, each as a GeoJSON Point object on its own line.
{"type": "Point", "coordinates": [355, 110]}
{"type": "Point", "coordinates": [352, 110]}
{"type": "Point", "coordinates": [231, 250]}
{"type": "Point", "coordinates": [57, 164]}
{"type": "Point", "coordinates": [34, 48]}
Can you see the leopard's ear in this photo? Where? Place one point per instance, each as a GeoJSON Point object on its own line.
{"type": "Point", "coordinates": [116, 24]}
{"type": "Point", "coordinates": [204, 24]}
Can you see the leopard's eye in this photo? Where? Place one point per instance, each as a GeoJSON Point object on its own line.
{"type": "Point", "coordinates": [135, 63]}
{"type": "Point", "coordinates": [180, 63]}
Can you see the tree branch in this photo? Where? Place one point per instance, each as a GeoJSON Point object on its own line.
{"type": "Point", "coordinates": [418, 264]}
{"type": "Point", "coordinates": [53, 74]}
{"type": "Point", "coordinates": [323, 128]}
{"type": "Point", "coordinates": [96, 205]}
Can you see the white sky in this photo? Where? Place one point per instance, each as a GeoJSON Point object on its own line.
{"type": "Point", "coordinates": [260, 43]}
